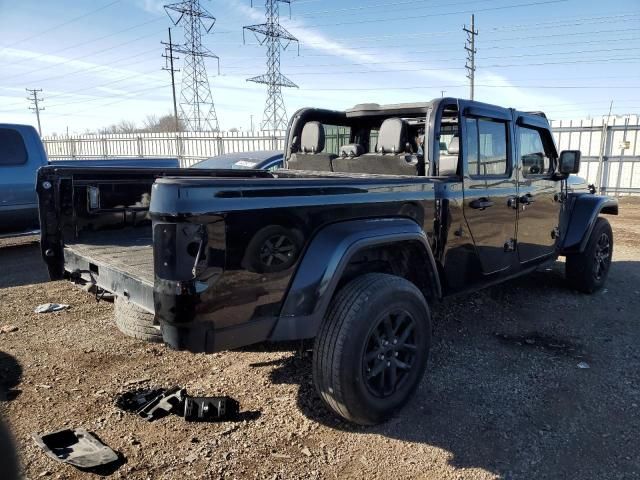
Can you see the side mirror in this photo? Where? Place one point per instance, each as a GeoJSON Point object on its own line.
{"type": "Point", "coordinates": [569, 161]}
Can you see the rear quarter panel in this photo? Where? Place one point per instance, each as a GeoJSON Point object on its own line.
{"type": "Point", "coordinates": [229, 291]}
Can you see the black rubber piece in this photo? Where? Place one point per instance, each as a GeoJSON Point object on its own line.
{"type": "Point", "coordinates": [580, 267]}
{"type": "Point", "coordinates": [340, 346]}
{"type": "Point", "coordinates": [135, 322]}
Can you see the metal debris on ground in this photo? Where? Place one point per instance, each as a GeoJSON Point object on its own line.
{"type": "Point", "coordinates": [76, 447]}
{"type": "Point", "coordinates": [583, 365]}
{"type": "Point", "coordinates": [50, 307]}
{"type": "Point", "coordinates": [154, 403]}
{"type": "Point", "coordinates": [208, 409]}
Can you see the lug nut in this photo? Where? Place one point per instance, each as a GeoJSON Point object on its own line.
{"type": "Point", "coordinates": [388, 364]}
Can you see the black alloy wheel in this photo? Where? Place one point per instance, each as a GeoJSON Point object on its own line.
{"type": "Point", "coordinates": [277, 250]}
{"type": "Point", "coordinates": [390, 353]}
{"type": "Point", "coordinates": [587, 271]}
{"type": "Point", "coordinates": [602, 256]}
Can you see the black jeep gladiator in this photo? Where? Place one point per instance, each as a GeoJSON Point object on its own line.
{"type": "Point", "coordinates": [381, 211]}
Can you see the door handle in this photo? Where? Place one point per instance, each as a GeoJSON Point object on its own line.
{"type": "Point", "coordinates": [527, 199]}
{"type": "Point", "coordinates": [481, 203]}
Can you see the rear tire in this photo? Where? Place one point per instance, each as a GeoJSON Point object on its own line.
{"type": "Point", "coordinates": [372, 348]}
{"type": "Point", "coordinates": [587, 271]}
{"type": "Point", "coordinates": [135, 322]}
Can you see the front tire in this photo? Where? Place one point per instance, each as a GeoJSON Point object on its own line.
{"type": "Point", "coordinates": [372, 348]}
{"type": "Point", "coordinates": [587, 271]}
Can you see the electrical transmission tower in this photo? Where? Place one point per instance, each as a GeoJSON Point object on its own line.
{"type": "Point", "coordinates": [276, 37]}
{"type": "Point", "coordinates": [168, 66]}
{"type": "Point", "coordinates": [470, 47]}
{"type": "Point", "coordinates": [33, 98]}
{"type": "Point", "coordinates": [196, 101]}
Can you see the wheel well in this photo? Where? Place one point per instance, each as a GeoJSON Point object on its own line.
{"type": "Point", "coordinates": [406, 259]}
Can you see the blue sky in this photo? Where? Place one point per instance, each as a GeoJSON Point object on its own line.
{"type": "Point", "coordinates": [99, 62]}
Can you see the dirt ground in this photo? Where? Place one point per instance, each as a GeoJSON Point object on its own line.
{"type": "Point", "coordinates": [503, 396]}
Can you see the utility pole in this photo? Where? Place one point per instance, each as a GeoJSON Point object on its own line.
{"type": "Point", "coordinates": [442, 92]}
{"type": "Point", "coordinates": [251, 117]}
{"type": "Point", "coordinates": [470, 47]}
{"type": "Point", "coordinates": [277, 38]}
{"type": "Point", "coordinates": [33, 98]}
{"type": "Point", "coordinates": [196, 102]}
{"type": "Point", "coordinates": [168, 66]}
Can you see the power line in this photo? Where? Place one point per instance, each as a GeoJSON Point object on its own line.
{"type": "Point", "coordinates": [74, 112]}
{"type": "Point", "coordinates": [357, 72]}
{"type": "Point", "coordinates": [387, 4]}
{"type": "Point", "coordinates": [277, 38]}
{"type": "Point", "coordinates": [56, 27]}
{"type": "Point", "coordinates": [97, 68]}
{"type": "Point", "coordinates": [33, 98]}
{"type": "Point", "coordinates": [91, 54]}
{"type": "Point", "coordinates": [414, 17]}
{"type": "Point", "coordinates": [461, 85]}
{"type": "Point", "coordinates": [86, 42]}
{"type": "Point", "coordinates": [407, 62]}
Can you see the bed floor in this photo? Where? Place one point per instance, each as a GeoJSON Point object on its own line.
{"type": "Point", "coordinates": [129, 250]}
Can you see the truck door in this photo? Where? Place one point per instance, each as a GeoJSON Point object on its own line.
{"type": "Point", "coordinates": [18, 205]}
{"type": "Point", "coordinates": [538, 194]}
{"type": "Point", "coordinates": [489, 184]}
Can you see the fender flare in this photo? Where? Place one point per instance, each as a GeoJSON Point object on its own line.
{"type": "Point", "coordinates": [585, 209]}
{"type": "Point", "coordinates": [324, 262]}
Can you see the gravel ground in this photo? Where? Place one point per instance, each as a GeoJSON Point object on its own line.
{"type": "Point", "coordinates": [503, 396]}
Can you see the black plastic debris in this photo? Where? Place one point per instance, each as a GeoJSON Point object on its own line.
{"type": "Point", "coordinates": [76, 447]}
{"type": "Point", "coordinates": [210, 409]}
{"type": "Point", "coordinates": [170, 401]}
{"type": "Point", "coordinates": [134, 400]}
{"type": "Point", "coordinates": [152, 404]}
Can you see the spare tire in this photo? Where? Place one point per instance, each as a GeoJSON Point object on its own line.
{"type": "Point", "coordinates": [135, 322]}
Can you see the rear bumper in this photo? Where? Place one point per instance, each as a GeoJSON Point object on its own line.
{"type": "Point", "coordinates": [202, 337]}
{"type": "Point", "coordinates": [109, 278]}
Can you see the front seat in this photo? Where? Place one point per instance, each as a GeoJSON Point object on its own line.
{"type": "Point", "coordinates": [311, 155]}
{"type": "Point", "coordinates": [448, 164]}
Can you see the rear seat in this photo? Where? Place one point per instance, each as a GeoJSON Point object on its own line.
{"type": "Point", "coordinates": [311, 155]}
{"type": "Point", "coordinates": [391, 157]}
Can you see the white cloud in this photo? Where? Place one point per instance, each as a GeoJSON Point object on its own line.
{"type": "Point", "coordinates": [509, 94]}
{"type": "Point", "coordinates": [152, 6]}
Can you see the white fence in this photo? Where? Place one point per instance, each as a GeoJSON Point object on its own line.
{"type": "Point", "coordinates": [189, 147]}
{"type": "Point", "coordinates": [610, 151]}
{"type": "Point", "coordinates": [610, 148]}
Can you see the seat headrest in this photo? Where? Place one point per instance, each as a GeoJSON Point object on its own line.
{"type": "Point", "coordinates": [454, 145]}
{"type": "Point", "coordinates": [391, 138]}
{"type": "Point", "coordinates": [351, 150]}
{"type": "Point", "coordinates": [312, 138]}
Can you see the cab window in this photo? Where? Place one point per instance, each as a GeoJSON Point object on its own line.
{"type": "Point", "coordinates": [535, 160]}
{"type": "Point", "coordinates": [486, 146]}
{"type": "Point", "coordinates": [335, 137]}
{"type": "Point", "coordinates": [12, 149]}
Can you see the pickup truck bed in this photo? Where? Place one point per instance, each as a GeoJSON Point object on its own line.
{"type": "Point", "coordinates": [129, 250]}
